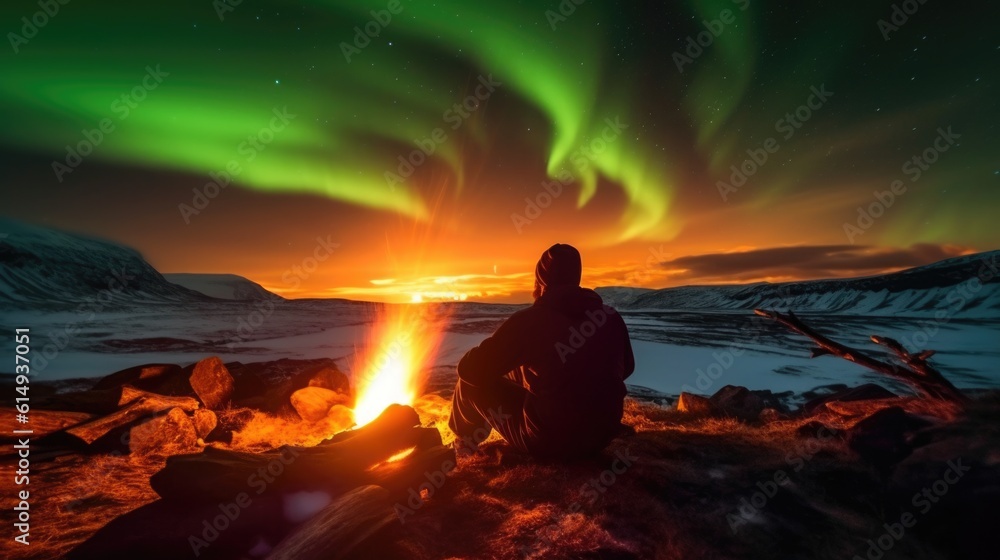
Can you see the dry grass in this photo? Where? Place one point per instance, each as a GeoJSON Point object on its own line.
{"type": "Point", "coordinates": [685, 476]}
{"type": "Point", "coordinates": [73, 496]}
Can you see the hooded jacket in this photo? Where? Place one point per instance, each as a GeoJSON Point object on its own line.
{"type": "Point", "coordinates": [572, 354]}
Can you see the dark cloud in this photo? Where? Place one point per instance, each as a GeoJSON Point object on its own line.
{"type": "Point", "coordinates": [808, 261]}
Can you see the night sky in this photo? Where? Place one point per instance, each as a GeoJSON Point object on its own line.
{"type": "Point", "coordinates": [307, 133]}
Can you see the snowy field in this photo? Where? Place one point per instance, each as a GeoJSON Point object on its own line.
{"type": "Point", "coordinates": [675, 350]}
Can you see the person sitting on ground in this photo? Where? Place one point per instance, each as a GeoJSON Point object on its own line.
{"type": "Point", "coordinates": [551, 379]}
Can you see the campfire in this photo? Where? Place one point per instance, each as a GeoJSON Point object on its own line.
{"type": "Point", "coordinates": [391, 371]}
{"type": "Point", "coordinates": [370, 471]}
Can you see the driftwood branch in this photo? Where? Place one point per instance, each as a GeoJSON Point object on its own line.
{"type": "Point", "coordinates": [916, 373]}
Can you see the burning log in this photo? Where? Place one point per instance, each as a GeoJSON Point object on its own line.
{"type": "Point", "coordinates": [926, 380]}
{"type": "Point", "coordinates": [350, 459]}
{"type": "Point", "coordinates": [362, 470]}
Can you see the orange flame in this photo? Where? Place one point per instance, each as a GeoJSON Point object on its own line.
{"type": "Point", "coordinates": [393, 369]}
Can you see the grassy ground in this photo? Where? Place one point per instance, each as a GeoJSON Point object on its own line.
{"type": "Point", "coordinates": [681, 487]}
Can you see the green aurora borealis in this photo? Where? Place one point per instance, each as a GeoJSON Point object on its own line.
{"type": "Point", "coordinates": [559, 89]}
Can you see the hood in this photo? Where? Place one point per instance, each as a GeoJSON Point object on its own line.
{"type": "Point", "coordinates": [572, 301]}
{"type": "Point", "coordinates": [559, 265]}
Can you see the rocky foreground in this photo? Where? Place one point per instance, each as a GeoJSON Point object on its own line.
{"type": "Point", "coordinates": [854, 473]}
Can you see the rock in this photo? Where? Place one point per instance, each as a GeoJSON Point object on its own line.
{"type": "Point", "coordinates": [881, 439]}
{"type": "Point", "coordinates": [854, 409]}
{"type": "Point", "coordinates": [212, 383]}
{"type": "Point", "coordinates": [250, 389]}
{"type": "Point", "coordinates": [328, 377]}
{"type": "Point", "coordinates": [313, 403]}
{"type": "Point", "coordinates": [868, 391]}
{"type": "Point", "coordinates": [737, 402]}
{"type": "Point", "coordinates": [228, 421]}
{"type": "Point", "coordinates": [823, 390]}
{"type": "Point", "coordinates": [694, 404]}
{"type": "Point", "coordinates": [777, 401]}
{"type": "Point", "coordinates": [771, 415]}
{"type": "Point", "coordinates": [145, 377]}
{"type": "Point", "coordinates": [175, 383]}
{"type": "Point", "coordinates": [170, 434]}
{"type": "Point", "coordinates": [141, 405]}
{"type": "Point", "coordinates": [324, 375]}
{"type": "Point", "coordinates": [204, 422]}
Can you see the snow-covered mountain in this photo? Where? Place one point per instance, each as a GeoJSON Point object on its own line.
{"type": "Point", "coordinates": [42, 266]}
{"type": "Point", "coordinates": [222, 286]}
{"type": "Point", "coordinates": [621, 296]}
{"type": "Point", "coordinates": [967, 286]}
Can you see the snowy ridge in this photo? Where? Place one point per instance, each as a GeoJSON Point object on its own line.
{"type": "Point", "coordinates": [42, 266]}
{"type": "Point", "coordinates": [621, 296]}
{"type": "Point", "coordinates": [967, 287]}
{"type": "Point", "coordinates": [222, 286]}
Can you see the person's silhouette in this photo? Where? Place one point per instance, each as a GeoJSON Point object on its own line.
{"type": "Point", "coordinates": [551, 379]}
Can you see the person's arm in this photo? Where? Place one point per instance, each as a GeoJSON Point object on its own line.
{"type": "Point", "coordinates": [495, 356]}
{"type": "Point", "coordinates": [629, 356]}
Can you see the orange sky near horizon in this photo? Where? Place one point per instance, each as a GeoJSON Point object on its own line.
{"type": "Point", "coordinates": [467, 253]}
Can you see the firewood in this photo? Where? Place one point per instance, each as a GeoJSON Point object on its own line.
{"type": "Point", "coordinates": [337, 531]}
{"type": "Point", "coordinates": [146, 404]}
{"type": "Point", "coordinates": [344, 462]}
{"type": "Point", "coordinates": [927, 381]}
{"type": "Point", "coordinates": [45, 421]}
{"type": "Point", "coordinates": [93, 401]}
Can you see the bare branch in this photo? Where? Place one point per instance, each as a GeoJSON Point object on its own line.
{"type": "Point", "coordinates": [927, 381]}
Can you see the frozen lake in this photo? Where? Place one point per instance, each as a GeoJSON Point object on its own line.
{"type": "Point", "coordinates": [675, 350]}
